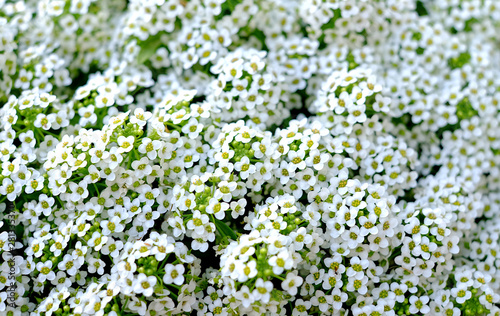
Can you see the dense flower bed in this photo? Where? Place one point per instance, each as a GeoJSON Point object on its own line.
{"type": "Point", "coordinates": [249, 157]}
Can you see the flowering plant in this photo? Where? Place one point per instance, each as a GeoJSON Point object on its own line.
{"type": "Point", "coordinates": [249, 157]}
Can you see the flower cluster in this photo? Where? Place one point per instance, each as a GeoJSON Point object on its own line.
{"type": "Point", "coordinates": [249, 157]}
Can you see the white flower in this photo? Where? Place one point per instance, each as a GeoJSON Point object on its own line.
{"type": "Point", "coordinates": [55, 8]}
{"type": "Point", "coordinates": [291, 283]}
{"type": "Point", "coordinates": [301, 307]}
{"type": "Point", "coordinates": [28, 138]}
{"type": "Point", "coordinates": [238, 207]}
{"type": "Point", "coordinates": [192, 128]}
{"type": "Point", "coordinates": [489, 298]}
{"type": "Point", "coordinates": [245, 167]}
{"type": "Point", "coordinates": [35, 249]}
{"type": "Point", "coordinates": [126, 143]}
{"type": "Point", "coordinates": [144, 284]}
{"type": "Point", "coordinates": [280, 262]}
{"type": "Point", "coordinates": [419, 304]}
{"type": "Point", "coordinates": [68, 264]}
{"type": "Point", "coordinates": [244, 296]}
{"type": "Point", "coordinates": [262, 291]}
{"type": "Point", "coordinates": [233, 70]}
{"type": "Point", "coordinates": [296, 160]}
{"type": "Point", "coordinates": [358, 285]}
{"type": "Point", "coordinates": [140, 117]}
{"type": "Point", "coordinates": [104, 100]}
{"type": "Point", "coordinates": [356, 269]}
{"type": "Point", "coordinates": [217, 208]}
{"type": "Point", "coordinates": [23, 81]}
{"type": "Point", "coordinates": [44, 121]}
{"type": "Point", "coordinates": [247, 270]}
{"type": "Point", "coordinates": [149, 147]}
{"type": "Point", "coordinates": [300, 237]}
{"type": "Point", "coordinates": [224, 190]}
{"type": "Point", "coordinates": [142, 167]}
{"type": "Point", "coordinates": [97, 240]}
{"type": "Point", "coordinates": [197, 222]}
{"type": "Point", "coordinates": [112, 226]}
{"type": "Point", "coordinates": [174, 274]}
{"type": "Point", "coordinates": [87, 115]}
{"type": "Point", "coordinates": [78, 191]}
{"type": "Point", "coordinates": [45, 269]}
{"type": "Point", "coordinates": [10, 189]}
{"type": "Point", "coordinates": [322, 300]}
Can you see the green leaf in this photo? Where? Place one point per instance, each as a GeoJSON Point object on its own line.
{"type": "Point", "coordinates": [148, 48]}
{"type": "Point", "coordinates": [465, 109]}
{"type": "Point", "coordinates": [421, 9]}
{"type": "Point", "coordinates": [225, 230]}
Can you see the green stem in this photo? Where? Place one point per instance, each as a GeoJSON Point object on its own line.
{"type": "Point", "coordinates": [126, 302]}
{"type": "Point", "coordinates": [278, 277]}
{"type": "Point", "coordinates": [59, 200]}
{"type": "Point", "coordinates": [50, 133]}
{"type": "Point", "coordinates": [163, 262]}
{"type": "Point", "coordinates": [174, 286]}
{"type": "Point", "coordinates": [96, 190]}
{"type": "Point", "coordinates": [174, 126]}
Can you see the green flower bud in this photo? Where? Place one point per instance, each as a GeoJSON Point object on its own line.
{"type": "Point", "coordinates": [153, 262]}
